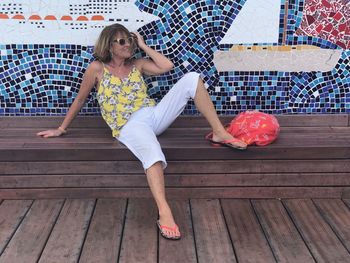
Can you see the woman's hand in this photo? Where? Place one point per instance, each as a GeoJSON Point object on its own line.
{"type": "Point", "coordinates": [157, 64]}
{"type": "Point", "coordinates": [139, 39]}
{"type": "Point", "coordinates": [51, 133]}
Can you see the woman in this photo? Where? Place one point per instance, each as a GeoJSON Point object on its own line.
{"type": "Point", "coordinates": [125, 106]}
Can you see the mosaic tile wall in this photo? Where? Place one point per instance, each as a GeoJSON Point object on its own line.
{"type": "Point", "coordinates": [43, 79]}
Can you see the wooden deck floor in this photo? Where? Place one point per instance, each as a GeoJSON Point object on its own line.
{"type": "Point", "coordinates": [214, 230]}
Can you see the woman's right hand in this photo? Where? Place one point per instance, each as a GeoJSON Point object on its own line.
{"type": "Point", "coordinates": [50, 133]}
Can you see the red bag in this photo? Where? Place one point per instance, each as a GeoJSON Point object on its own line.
{"type": "Point", "coordinates": [254, 127]}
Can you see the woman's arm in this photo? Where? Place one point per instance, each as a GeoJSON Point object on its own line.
{"type": "Point", "coordinates": [89, 81]}
{"type": "Point", "coordinates": [158, 63]}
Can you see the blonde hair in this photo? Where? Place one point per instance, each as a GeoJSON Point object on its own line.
{"type": "Point", "coordinates": [105, 41]}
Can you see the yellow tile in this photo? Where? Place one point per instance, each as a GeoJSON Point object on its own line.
{"type": "Point", "coordinates": [285, 48]}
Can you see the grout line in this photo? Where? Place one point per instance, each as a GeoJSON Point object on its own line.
{"type": "Point", "coordinates": [284, 37]}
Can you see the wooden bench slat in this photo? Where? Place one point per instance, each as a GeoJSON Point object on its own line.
{"type": "Point", "coordinates": [311, 120]}
{"type": "Point", "coordinates": [26, 134]}
{"type": "Point", "coordinates": [193, 139]}
{"type": "Point", "coordinates": [248, 239]}
{"type": "Point", "coordinates": [319, 237]}
{"type": "Point", "coordinates": [284, 239]}
{"type": "Point", "coordinates": [178, 167]}
{"type": "Point", "coordinates": [38, 223]}
{"type": "Point", "coordinates": [174, 180]}
{"type": "Point", "coordinates": [86, 152]}
{"type": "Point", "coordinates": [179, 192]}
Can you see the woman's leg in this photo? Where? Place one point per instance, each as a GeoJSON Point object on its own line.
{"type": "Point", "coordinates": [173, 103]}
{"type": "Point", "coordinates": [140, 139]}
{"type": "Point", "coordinates": [205, 106]}
{"type": "Point", "coordinates": [155, 178]}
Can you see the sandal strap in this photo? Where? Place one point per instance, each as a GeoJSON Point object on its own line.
{"type": "Point", "coordinates": [231, 140]}
{"type": "Point", "coordinates": [170, 228]}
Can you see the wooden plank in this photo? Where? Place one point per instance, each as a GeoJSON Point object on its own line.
{"type": "Point", "coordinates": [50, 122]}
{"type": "Point", "coordinates": [38, 223]}
{"type": "Point", "coordinates": [169, 251]}
{"type": "Point", "coordinates": [319, 237]}
{"type": "Point", "coordinates": [180, 140]}
{"type": "Point", "coordinates": [200, 131]}
{"type": "Point", "coordinates": [286, 244]}
{"type": "Point", "coordinates": [212, 238]}
{"type": "Point", "coordinates": [175, 180]}
{"type": "Point", "coordinates": [313, 120]}
{"type": "Point", "coordinates": [11, 215]}
{"type": "Point", "coordinates": [178, 167]}
{"type": "Point", "coordinates": [248, 239]}
{"type": "Point", "coordinates": [170, 134]}
{"type": "Point", "coordinates": [178, 192]}
{"type": "Point", "coordinates": [347, 202]}
{"type": "Point", "coordinates": [284, 120]}
{"type": "Point", "coordinates": [67, 237]}
{"type": "Point", "coordinates": [192, 132]}
{"type": "Point", "coordinates": [103, 239]}
{"type": "Point", "coordinates": [202, 151]}
{"type": "Point", "coordinates": [139, 242]}
{"type": "Point", "coordinates": [58, 140]}
{"type": "Point", "coordinates": [181, 121]}
{"type": "Point", "coordinates": [73, 132]}
{"type": "Point", "coordinates": [337, 215]}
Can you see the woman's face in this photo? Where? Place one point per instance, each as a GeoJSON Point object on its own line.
{"type": "Point", "coordinates": [122, 46]}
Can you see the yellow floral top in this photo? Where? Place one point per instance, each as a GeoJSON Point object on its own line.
{"type": "Point", "coordinates": [119, 98]}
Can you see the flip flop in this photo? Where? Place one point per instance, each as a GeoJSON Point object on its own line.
{"type": "Point", "coordinates": [160, 227]}
{"type": "Point", "coordinates": [226, 143]}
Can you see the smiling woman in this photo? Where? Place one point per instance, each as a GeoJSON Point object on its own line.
{"type": "Point", "coordinates": [134, 118]}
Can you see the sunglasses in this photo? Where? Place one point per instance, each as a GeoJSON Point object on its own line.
{"type": "Point", "coordinates": [123, 41]}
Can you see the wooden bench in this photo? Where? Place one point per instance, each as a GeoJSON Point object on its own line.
{"type": "Point", "coordinates": [310, 159]}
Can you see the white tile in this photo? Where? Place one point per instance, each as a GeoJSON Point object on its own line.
{"type": "Point", "coordinates": [185, 63]}
{"type": "Point", "coordinates": [28, 76]}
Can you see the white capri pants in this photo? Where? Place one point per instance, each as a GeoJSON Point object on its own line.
{"type": "Point", "coordinates": [139, 134]}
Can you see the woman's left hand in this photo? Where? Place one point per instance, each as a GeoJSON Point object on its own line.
{"type": "Point", "coordinates": [139, 38]}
